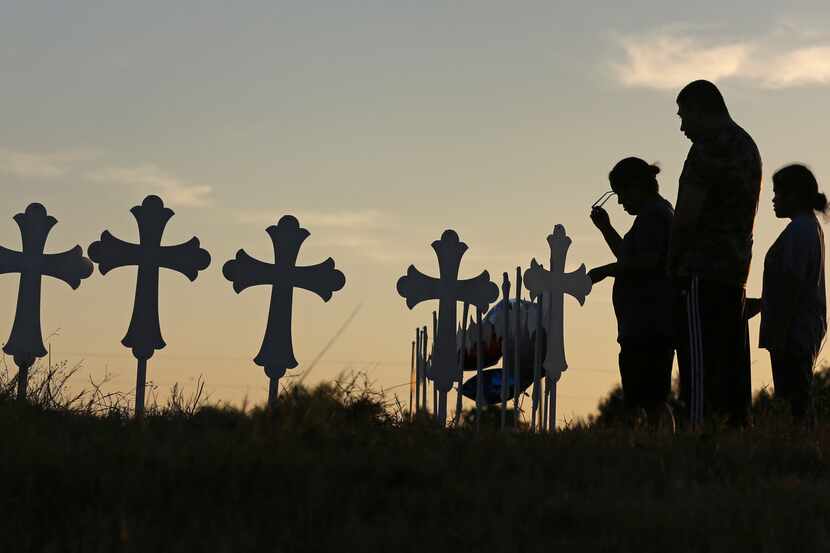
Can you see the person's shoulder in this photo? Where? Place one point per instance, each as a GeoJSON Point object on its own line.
{"type": "Point", "coordinates": [804, 225]}
{"type": "Point", "coordinates": [658, 211]}
{"type": "Point", "coordinates": [663, 208]}
{"type": "Point", "coordinates": [741, 139]}
{"type": "Point", "coordinates": [802, 233]}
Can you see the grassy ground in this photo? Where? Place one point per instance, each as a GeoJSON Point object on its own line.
{"type": "Point", "coordinates": [334, 469]}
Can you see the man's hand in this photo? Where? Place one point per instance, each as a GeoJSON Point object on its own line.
{"type": "Point", "coordinates": [600, 219]}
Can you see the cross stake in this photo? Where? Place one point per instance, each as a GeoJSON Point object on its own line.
{"type": "Point", "coordinates": [479, 365]}
{"type": "Point", "coordinates": [537, 363]}
{"type": "Point", "coordinates": [505, 348]}
{"type": "Point", "coordinates": [276, 354]}
{"type": "Point", "coordinates": [25, 344]}
{"type": "Point", "coordinates": [149, 256]}
{"type": "Point", "coordinates": [416, 287]}
{"type": "Point", "coordinates": [517, 347]}
{"type": "Point", "coordinates": [458, 401]}
{"type": "Point", "coordinates": [555, 284]}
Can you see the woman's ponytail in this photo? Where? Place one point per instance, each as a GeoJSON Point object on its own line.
{"type": "Point", "coordinates": [820, 203]}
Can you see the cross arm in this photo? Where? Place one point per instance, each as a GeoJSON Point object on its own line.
{"type": "Point", "coordinates": [322, 279]}
{"type": "Point", "coordinates": [416, 287]}
{"type": "Point", "coordinates": [245, 271]}
{"type": "Point", "coordinates": [479, 291]}
{"type": "Point", "coordinates": [111, 253]}
{"type": "Point", "coordinates": [536, 279]}
{"type": "Point", "coordinates": [10, 261]}
{"type": "Point", "coordinates": [70, 266]}
{"type": "Point", "coordinates": [188, 258]}
{"type": "Point", "coordinates": [578, 284]}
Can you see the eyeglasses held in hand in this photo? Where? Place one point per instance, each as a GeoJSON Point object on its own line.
{"type": "Point", "coordinates": [604, 198]}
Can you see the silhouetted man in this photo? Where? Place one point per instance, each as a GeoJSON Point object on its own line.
{"type": "Point", "coordinates": [710, 255]}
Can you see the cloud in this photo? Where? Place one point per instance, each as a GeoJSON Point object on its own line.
{"type": "Point", "coordinates": [665, 61]}
{"type": "Point", "coordinates": [369, 233]}
{"type": "Point", "coordinates": [367, 219]}
{"type": "Point", "coordinates": [37, 165]}
{"type": "Point", "coordinates": [41, 165]}
{"type": "Point", "coordinates": [174, 191]}
{"type": "Point", "coordinates": [670, 58]}
{"type": "Point", "coordinates": [803, 66]}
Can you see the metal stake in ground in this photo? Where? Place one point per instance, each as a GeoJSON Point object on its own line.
{"type": "Point", "coordinates": [276, 354]}
{"type": "Point", "coordinates": [555, 284]}
{"type": "Point", "coordinates": [424, 369]}
{"type": "Point", "coordinates": [418, 370]}
{"type": "Point", "coordinates": [505, 347]}
{"type": "Point", "coordinates": [479, 366]}
{"type": "Point", "coordinates": [411, 378]}
{"type": "Point", "coordinates": [432, 356]}
{"type": "Point", "coordinates": [517, 339]}
{"type": "Point", "coordinates": [537, 363]}
{"type": "Point", "coordinates": [448, 289]}
{"type": "Point", "coordinates": [25, 344]}
{"type": "Point", "coordinates": [144, 333]}
{"type": "Point", "coordinates": [458, 401]}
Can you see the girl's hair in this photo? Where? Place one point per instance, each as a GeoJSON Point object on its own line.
{"type": "Point", "coordinates": [634, 172]}
{"type": "Point", "coordinates": [799, 179]}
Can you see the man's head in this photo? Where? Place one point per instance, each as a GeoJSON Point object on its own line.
{"type": "Point", "coordinates": [702, 110]}
{"type": "Point", "coordinates": [635, 183]}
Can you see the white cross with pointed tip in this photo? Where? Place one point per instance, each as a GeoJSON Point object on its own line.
{"type": "Point", "coordinates": [416, 287]}
{"type": "Point", "coordinates": [555, 284]}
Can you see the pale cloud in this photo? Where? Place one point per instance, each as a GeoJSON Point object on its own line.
{"type": "Point", "coordinates": [149, 178]}
{"type": "Point", "coordinates": [668, 59]}
{"type": "Point", "coordinates": [368, 233]}
{"type": "Point", "coordinates": [803, 66]}
{"type": "Point", "coordinates": [80, 162]}
{"type": "Point", "coordinates": [367, 219]}
{"type": "Point", "coordinates": [36, 165]}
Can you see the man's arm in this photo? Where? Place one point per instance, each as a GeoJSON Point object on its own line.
{"type": "Point", "coordinates": [697, 176]}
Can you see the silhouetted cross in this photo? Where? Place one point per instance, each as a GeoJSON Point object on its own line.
{"type": "Point", "coordinates": [25, 343]}
{"type": "Point", "coordinates": [144, 333]}
{"type": "Point", "coordinates": [448, 290]}
{"type": "Point", "coordinates": [554, 284]}
{"type": "Point", "coordinates": [277, 351]}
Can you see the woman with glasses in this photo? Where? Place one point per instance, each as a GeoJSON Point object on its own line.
{"type": "Point", "coordinates": [642, 294]}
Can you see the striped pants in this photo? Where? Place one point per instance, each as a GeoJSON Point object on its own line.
{"type": "Point", "coordinates": [713, 351]}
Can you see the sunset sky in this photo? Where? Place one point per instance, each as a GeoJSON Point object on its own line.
{"type": "Point", "coordinates": [378, 124]}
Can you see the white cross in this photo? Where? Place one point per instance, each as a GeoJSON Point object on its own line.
{"type": "Point", "coordinates": [554, 284]}
{"type": "Point", "coordinates": [448, 289]}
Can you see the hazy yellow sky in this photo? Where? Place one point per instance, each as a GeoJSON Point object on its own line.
{"type": "Point", "coordinates": [378, 124]}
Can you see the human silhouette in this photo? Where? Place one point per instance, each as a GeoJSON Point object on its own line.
{"type": "Point", "coordinates": [642, 292]}
{"type": "Point", "coordinates": [710, 254]}
{"type": "Point", "coordinates": [793, 301]}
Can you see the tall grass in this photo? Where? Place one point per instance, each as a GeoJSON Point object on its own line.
{"type": "Point", "coordinates": [340, 468]}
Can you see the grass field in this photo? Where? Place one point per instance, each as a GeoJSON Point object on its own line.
{"type": "Point", "coordinates": [336, 469]}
